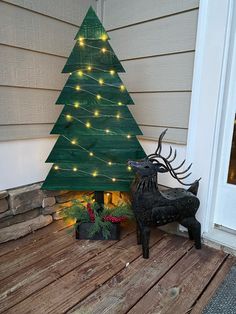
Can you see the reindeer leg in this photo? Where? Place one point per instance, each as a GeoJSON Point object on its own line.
{"type": "Point", "coordinates": [190, 234]}
{"type": "Point", "coordinates": [145, 241]}
{"type": "Point", "coordinates": [138, 232]}
{"type": "Point", "coordinates": [194, 230]}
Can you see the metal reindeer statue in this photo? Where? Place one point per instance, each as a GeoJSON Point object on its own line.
{"type": "Point", "coordinates": [153, 207]}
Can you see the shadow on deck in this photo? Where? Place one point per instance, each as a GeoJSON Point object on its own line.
{"type": "Point", "coordinates": [51, 272]}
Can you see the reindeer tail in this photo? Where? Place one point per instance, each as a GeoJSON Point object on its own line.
{"type": "Point", "coordinates": [194, 187]}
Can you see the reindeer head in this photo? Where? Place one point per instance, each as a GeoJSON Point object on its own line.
{"type": "Point", "coordinates": [147, 167]}
{"type": "Point", "coordinates": [155, 163]}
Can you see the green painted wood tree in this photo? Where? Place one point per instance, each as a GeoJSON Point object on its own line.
{"type": "Point", "coordinates": [97, 131]}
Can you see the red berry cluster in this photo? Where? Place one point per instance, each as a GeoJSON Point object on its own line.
{"type": "Point", "coordinates": [114, 219]}
{"type": "Point", "coordinates": [90, 212]}
{"type": "Point", "coordinates": [110, 218]}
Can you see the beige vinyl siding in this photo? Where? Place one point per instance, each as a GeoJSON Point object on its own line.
{"type": "Point", "coordinates": [123, 13]}
{"type": "Point", "coordinates": [69, 11]}
{"type": "Point", "coordinates": [28, 105]}
{"type": "Point", "coordinates": [155, 39]}
{"type": "Point", "coordinates": [36, 37]}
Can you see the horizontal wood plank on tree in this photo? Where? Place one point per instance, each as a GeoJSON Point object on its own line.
{"type": "Point", "coordinates": [22, 28]}
{"type": "Point", "coordinates": [122, 292]}
{"type": "Point", "coordinates": [32, 239]}
{"type": "Point", "coordinates": [170, 109]}
{"type": "Point", "coordinates": [213, 286]}
{"type": "Point", "coordinates": [71, 11]}
{"type": "Point", "coordinates": [31, 279]}
{"type": "Point", "coordinates": [122, 13]}
{"type": "Point", "coordinates": [67, 291]}
{"type": "Point", "coordinates": [173, 34]}
{"type": "Point", "coordinates": [30, 69]}
{"type": "Point", "coordinates": [22, 105]}
{"type": "Point", "coordinates": [14, 132]}
{"type": "Point", "coordinates": [17, 260]}
{"type": "Point", "coordinates": [174, 135]}
{"type": "Point", "coordinates": [21, 132]}
{"type": "Point", "coordinates": [181, 286]}
{"type": "Point", "coordinates": [162, 73]}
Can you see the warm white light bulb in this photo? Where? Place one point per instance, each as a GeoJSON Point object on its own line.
{"type": "Point", "coordinates": [91, 154]}
{"type": "Point", "coordinates": [99, 96]}
{"type": "Point", "coordinates": [122, 87]}
{"type": "Point", "coordinates": [76, 105]}
{"type": "Point", "coordinates": [95, 173]}
{"type": "Point", "coordinates": [88, 124]}
{"type": "Point", "coordinates": [120, 103]}
{"type": "Point", "coordinates": [107, 131]}
{"type": "Point", "coordinates": [74, 169]}
{"type": "Point", "coordinates": [73, 142]}
{"type": "Point", "coordinates": [56, 167]}
{"type": "Point", "coordinates": [103, 50]}
{"type": "Point", "coordinates": [101, 81]}
{"type": "Point", "coordinates": [113, 179]}
{"type": "Point", "coordinates": [129, 168]}
{"type": "Point", "coordinates": [104, 37]}
{"type": "Point", "coordinates": [118, 116]}
{"type": "Point", "coordinates": [96, 113]}
{"type": "Point", "coordinates": [77, 87]}
{"type": "Point", "coordinates": [68, 117]}
{"type": "Point", "coordinates": [128, 136]}
{"type": "Point", "coordinates": [81, 41]}
{"type": "Point", "coordinates": [80, 73]}
{"type": "Point", "coordinates": [89, 68]}
{"type": "Point", "coordinates": [109, 163]}
{"type": "Point", "coordinates": [112, 72]}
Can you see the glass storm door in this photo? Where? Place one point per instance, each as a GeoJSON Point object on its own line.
{"type": "Point", "coordinates": [225, 198]}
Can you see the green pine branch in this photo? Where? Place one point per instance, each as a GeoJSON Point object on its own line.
{"type": "Point", "coordinates": [78, 212]}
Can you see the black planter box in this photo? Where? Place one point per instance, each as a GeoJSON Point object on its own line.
{"type": "Point", "coordinates": [83, 230]}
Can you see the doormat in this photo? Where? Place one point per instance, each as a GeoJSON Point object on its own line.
{"type": "Point", "coordinates": [224, 299]}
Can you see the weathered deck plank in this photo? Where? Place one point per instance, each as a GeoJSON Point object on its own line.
{"type": "Point", "coordinates": [32, 238]}
{"type": "Point", "coordinates": [17, 260]}
{"type": "Point", "coordinates": [127, 287]}
{"type": "Point", "coordinates": [31, 279]}
{"type": "Point", "coordinates": [50, 272]}
{"type": "Point", "coordinates": [181, 286]}
{"type": "Point", "coordinates": [73, 287]}
{"type": "Point", "coordinates": [214, 284]}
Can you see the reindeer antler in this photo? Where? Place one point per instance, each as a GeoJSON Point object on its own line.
{"type": "Point", "coordinates": [159, 147]}
{"type": "Point", "coordinates": [168, 162]}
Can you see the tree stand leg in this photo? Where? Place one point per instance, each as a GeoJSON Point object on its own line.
{"type": "Point", "coordinates": [99, 198]}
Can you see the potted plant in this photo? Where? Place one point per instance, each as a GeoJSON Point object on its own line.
{"type": "Point", "coordinates": [96, 223]}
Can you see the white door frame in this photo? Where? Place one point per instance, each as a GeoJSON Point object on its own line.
{"type": "Point", "coordinates": [208, 92]}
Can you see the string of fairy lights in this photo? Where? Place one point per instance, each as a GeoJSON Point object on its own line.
{"type": "Point", "coordinates": [96, 113]}
{"type": "Point", "coordinates": [88, 125]}
{"type": "Point", "coordinates": [98, 96]}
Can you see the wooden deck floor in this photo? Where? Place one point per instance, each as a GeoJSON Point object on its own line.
{"type": "Point", "coordinates": [50, 272]}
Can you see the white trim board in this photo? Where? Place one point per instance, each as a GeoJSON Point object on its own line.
{"type": "Point", "coordinates": [212, 48]}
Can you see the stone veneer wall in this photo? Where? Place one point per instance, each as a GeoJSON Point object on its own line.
{"type": "Point", "coordinates": [26, 209]}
